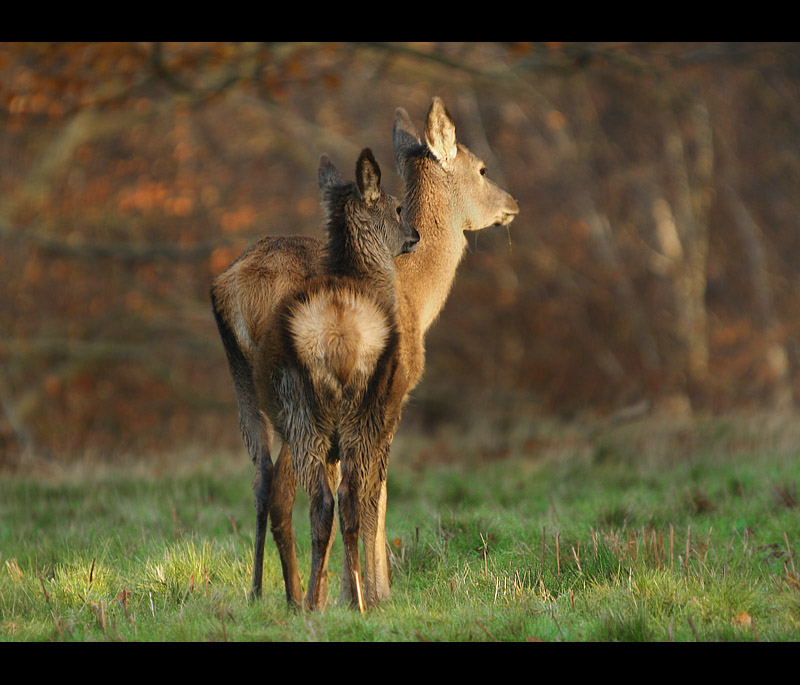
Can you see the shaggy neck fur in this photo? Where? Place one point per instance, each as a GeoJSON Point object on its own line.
{"type": "Point", "coordinates": [349, 252]}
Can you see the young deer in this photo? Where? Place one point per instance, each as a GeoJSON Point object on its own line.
{"type": "Point", "coordinates": [447, 193]}
{"type": "Point", "coordinates": [324, 372]}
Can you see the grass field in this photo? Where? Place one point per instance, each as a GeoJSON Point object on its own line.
{"type": "Point", "coordinates": [644, 532]}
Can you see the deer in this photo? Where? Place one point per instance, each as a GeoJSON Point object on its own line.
{"type": "Point", "coordinates": [324, 372]}
{"type": "Point", "coordinates": [447, 193]}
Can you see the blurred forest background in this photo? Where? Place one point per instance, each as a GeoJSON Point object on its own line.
{"type": "Point", "coordinates": [653, 262]}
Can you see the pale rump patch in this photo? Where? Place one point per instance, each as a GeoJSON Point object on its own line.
{"type": "Point", "coordinates": [339, 334]}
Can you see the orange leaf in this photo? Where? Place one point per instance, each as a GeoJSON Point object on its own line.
{"type": "Point", "coordinates": [743, 620]}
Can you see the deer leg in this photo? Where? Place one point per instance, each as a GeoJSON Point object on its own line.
{"type": "Point", "coordinates": [322, 513]}
{"type": "Point", "coordinates": [258, 438]}
{"type": "Point", "coordinates": [376, 553]}
{"type": "Point", "coordinates": [333, 475]}
{"type": "Point", "coordinates": [369, 521]}
{"type": "Point", "coordinates": [284, 490]}
{"type": "Point", "coordinates": [350, 522]}
{"type": "Point", "coordinates": [382, 572]}
{"type": "Point", "coordinates": [346, 596]}
{"type": "Point", "coordinates": [373, 519]}
{"type": "Point", "coordinates": [257, 434]}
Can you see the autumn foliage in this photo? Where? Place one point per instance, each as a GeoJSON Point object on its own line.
{"type": "Point", "coordinates": [653, 260]}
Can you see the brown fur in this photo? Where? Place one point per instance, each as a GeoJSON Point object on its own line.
{"type": "Point", "coordinates": [446, 194]}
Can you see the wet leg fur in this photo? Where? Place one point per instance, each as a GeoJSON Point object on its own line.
{"type": "Point", "coordinates": [285, 486]}
{"type": "Point", "coordinates": [262, 495]}
{"type": "Point", "coordinates": [322, 519]}
{"type": "Point", "coordinates": [284, 493]}
{"type": "Point", "coordinates": [376, 569]}
{"type": "Point", "coordinates": [349, 519]}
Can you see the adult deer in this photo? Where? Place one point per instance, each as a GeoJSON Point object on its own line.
{"type": "Point", "coordinates": [324, 371]}
{"type": "Point", "coordinates": [447, 193]}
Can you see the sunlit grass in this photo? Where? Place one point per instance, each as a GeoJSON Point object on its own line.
{"type": "Point", "coordinates": [644, 535]}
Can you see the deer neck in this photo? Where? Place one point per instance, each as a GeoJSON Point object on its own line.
{"type": "Point", "coordinates": [425, 276]}
{"type": "Point", "coordinates": [367, 264]}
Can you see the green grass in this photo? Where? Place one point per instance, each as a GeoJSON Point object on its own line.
{"type": "Point", "coordinates": [640, 533]}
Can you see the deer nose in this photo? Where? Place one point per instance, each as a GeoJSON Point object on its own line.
{"type": "Point", "coordinates": [509, 212]}
{"type": "Point", "coordinates": [412, 238]}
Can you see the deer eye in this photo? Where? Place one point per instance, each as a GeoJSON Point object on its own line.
{"type": "Point", "coordinates": [399, 211]}
{"type": "Point", "coordinates": [483, 171]}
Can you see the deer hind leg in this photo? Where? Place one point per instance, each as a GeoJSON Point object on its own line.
{"type": "Point", "coordinates": [346, 586]}
{"type": "Point", "coordinates": [284, 490]}
{"type": "Point", "coordinates": [258, 438]}
{"type": "Point", "coordinates": [256, 432]}
{"type": "Point", "coordinates": [377, 570]}
{"type": "Point", "coordinates": [320, 494]}
{"type": "Point", "coordinates": [376, 562]}
{"type": "Point", "coordinates": [350, 489]}
{"type": "Point", "coordinates": [377, 575]}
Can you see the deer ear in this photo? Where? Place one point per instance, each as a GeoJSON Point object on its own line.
{"type": "Point", "coordinates": [440, 133]}
{"type": "Point", "coordinates": [328, 175]}
{"type": "Point", "coordinates": [405, 138]}
{"type": "Point", "coordinates": [368, 176]}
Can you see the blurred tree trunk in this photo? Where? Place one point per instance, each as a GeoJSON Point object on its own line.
{"type": "Point", "coordinates": [765, 315]}
{"type": "Point", "coordinates": [576, 151]}
{"type": "Point", "coordinates": [21, 435]}
{"type": "Point", "coordinates": [683, 226]}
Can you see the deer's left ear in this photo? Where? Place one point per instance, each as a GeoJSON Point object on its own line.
{"type": "Point", "coordinates": [368, 176]}
{"type": "Point", "coordinates": [440, 133]}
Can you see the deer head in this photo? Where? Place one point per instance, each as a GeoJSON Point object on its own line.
{"type": "Point", "coordinates": [477, 202]}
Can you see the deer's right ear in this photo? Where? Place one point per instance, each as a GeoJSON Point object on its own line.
{"type": "Point", "coordinates": [328, 175]}
{"type": "Point", "coordinates": [440, 133]}
{"type": "Point", "coordinates": [368, 176]}
{"type": "Point", "coordinates": [405, 138]}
